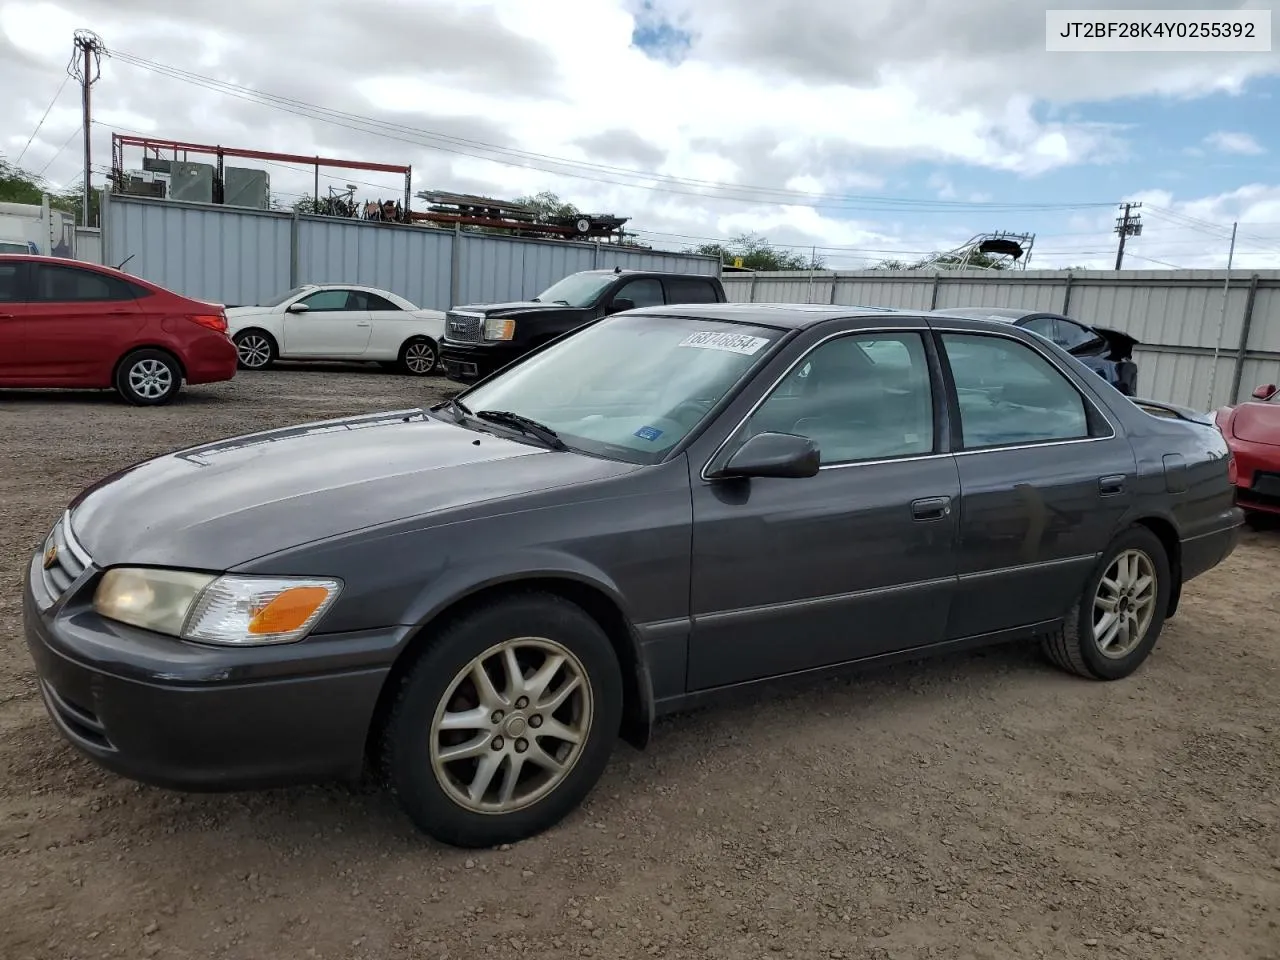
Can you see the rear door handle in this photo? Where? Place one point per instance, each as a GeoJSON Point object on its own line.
{"type": "Point", "coordinates": [1110, 486]}
{"type": "Point", "coordinates": [930, 508]}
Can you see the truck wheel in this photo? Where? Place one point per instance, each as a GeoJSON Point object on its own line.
{"type": "Point", "coordinates": [418, 356]}
{"type": "Point", "coordinates": [505, 723]}
{"type": "Point", "coordinates": [1110, 630]}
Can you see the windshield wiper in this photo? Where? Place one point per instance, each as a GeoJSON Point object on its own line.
{"type": "Point", "coordinates": [531, 427]}
{"type": "Point", "coordinates": [456, 407]}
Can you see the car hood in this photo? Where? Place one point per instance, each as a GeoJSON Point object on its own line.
{"type": "Point", "coordinates": [521, 305]}
{"type": "Point", "coordinates": [1257, 423]}
{"type": "Point", "coordinates": [222, 504]}
{"type": "Point", "coordinates": [242, 313]}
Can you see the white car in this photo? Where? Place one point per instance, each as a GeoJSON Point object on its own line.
{"type": "Point", "coordinates": [338, 321]}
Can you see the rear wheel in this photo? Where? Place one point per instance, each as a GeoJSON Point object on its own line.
{"type": "Point", "coordinates": [1114, 625]}
{"type": "Point", "coordinates": [148, 378]}
{"type": "Point", "coordinates": [505, 723]}
{"type": "Point", "coordinates": [418, 356]}
{"type": "Point", "coordinates": [255, 349]}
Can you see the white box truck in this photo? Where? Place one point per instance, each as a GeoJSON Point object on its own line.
{"type": "Point", "coordinates": [37, 228]}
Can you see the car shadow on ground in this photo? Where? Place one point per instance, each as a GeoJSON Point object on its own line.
{"type": "Point", "coordinates": [362, 813]}
{"type": "Point", "coordinates": [188, 396]}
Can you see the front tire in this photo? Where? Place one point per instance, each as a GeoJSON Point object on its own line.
{"type": "Point", "coordinates": [255, 349]}
{"type": "Point", "coordinates": [1113, 626]}
{"type": "Point", "coordinates": [148, 378]}
{"type": "Point", "coordinates": [505, 723]}
{"type": "Point", "coordinates": [418, 357]}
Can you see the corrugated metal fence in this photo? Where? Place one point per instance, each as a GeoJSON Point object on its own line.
{"type": "Point", "coordinates": [238, 256]}
{"type": "Point", "coordinates": [1177, 314]}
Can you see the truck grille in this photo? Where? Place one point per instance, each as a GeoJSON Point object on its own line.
{"type": "Point", "coordinates": [463, 327]}
{"type": "Point", "coordinates": [63, 558]}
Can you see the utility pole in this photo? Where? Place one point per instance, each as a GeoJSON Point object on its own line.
{"type": "Point", "coordinates": [1130, 225]}
{"type": "Point", "coordinates": [86, 66]}
{"type": "Point", "coordinates": [1222, 318]}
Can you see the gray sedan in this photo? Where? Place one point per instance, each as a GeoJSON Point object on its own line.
{"type": "Point", "coordinates": [480, 598]}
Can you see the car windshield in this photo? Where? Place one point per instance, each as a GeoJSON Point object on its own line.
{"type": "Point", "coordinates": [577, 289]}
{"type": "Point", "coordinates": [11, 246]}
{"type": "Point", "coordinates": [628, 387]}
{"type": "Point", "coordinates": [289, 295]}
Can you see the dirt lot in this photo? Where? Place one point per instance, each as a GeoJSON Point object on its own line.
{"type": "Point", "coordinates": [979, 806]}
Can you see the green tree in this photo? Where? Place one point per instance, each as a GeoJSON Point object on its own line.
{"type": "Point", "coordinates": [22, 186]}
{"type": "Point", "coordinates": [547, 205]}
{"type": "Point", "coordinates": [756, 254]}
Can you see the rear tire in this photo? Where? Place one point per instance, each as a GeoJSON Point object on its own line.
{"type": "Point", "coordinates": [255, 349]}
{"type": "Point", "coordinates": [419, 357]}
{"type": "Point", "coordinates": [148, 378]}
{"type": "Point", "coordinates": [1111, 629]}
{"type": "Point", "coordinates": [529, 749]}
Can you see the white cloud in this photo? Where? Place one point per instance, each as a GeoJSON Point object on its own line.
{"type": "Point", "coordinates": [1226, 142]}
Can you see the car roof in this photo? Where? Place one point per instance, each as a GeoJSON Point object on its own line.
{"type": "Point", "coordinates": [784, 316]}
{"type": "Point", "coordinates": [999, 314]}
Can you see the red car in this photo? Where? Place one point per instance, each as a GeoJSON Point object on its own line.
{"type": "Point", "coordinates": [1252, 430]}
{"type": "Point", "coordinates": [64, 323]}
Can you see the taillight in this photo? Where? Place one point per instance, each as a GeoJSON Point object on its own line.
{"type": "Point", "coordinates": [1233, 474]}
{"type": "Point", "coordinates": [214, 321]}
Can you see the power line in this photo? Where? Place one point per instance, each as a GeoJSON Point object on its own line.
{"type": "Point", "coordinates": [584, 170]}
{"type": "Point", "coordinates": [58, 152]}
{"type": "Point", "coordinates": [62, 86]}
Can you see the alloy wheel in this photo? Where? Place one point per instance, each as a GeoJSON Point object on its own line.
{"type": "Point", "coordinates": [254, 351]}
{"type": "Point", "coordinates": [1124, 604]}
{"type": "Point", "coordinates": [511, 725]}
{"type": "Point", "coordinates": [150, 379]}
{"type": "Point", "coordinates": [420, 358]}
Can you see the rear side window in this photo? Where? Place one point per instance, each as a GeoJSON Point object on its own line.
{"type": "Point", "coordinates": [72, 285]}
{"type": "Point", "coordinates": [1009, 394]}
{"type": "Point", "coordinates": [690, 290]}
{"type": "Point", "coordinates": [371, 301]}
{"type": "Point", "coordinates": [11, 282]}
{"type": "Point", "coordinates": [1072, 335]}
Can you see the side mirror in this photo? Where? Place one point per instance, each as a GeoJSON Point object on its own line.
{"type": "Point", "coordinates": [621, 303]}
{"type": "Point", "coordinates": [1264, 392]}
{"type": "Point", "coordinates": [298, 308]}
{"type": "Point", "coordinates": [774, 455]}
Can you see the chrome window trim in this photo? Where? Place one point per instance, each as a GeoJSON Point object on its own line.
{"type": "Point", "coordinates": [1035, 348]}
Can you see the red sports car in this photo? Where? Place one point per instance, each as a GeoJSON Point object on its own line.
{"type": "Point", "coordinates": [1252, 430]}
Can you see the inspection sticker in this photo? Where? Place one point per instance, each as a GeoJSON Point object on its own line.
{"type": "Point", "coordinates": [732, 342]}
{"type": "Point", "coordinates": [648, 433]}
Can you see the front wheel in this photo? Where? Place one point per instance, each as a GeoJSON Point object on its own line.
{"type": "Point", "coordinates": [418, 357]}
{"type": "Point", "coordinates": [505, 723]}
{"type": "Point", "coordinates": [1112, 628]}
{"type": "Point", "coordinates": [148, 378]}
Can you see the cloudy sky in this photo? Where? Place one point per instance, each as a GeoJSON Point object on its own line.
{"type": "Point", "coordinates": [866, 128]}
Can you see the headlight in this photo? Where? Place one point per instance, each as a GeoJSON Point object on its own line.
{"type": "Point", "coordinates": [229, 610]}
{"type": "Point", "coordinates": [496, 328]}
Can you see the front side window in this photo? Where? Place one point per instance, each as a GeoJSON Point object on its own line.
{"type": "Point", "coordinates": [72, 285]}
{"type": "Point", "coordinates": [1009, 394]}
{"type": "Point", "coordinates": [629, 387]}
{"type": "Point", "coordinates": [10, 282]}
{"type": "Point", "coordinates": [327, 301]}
{"type": "Point", "coordinates": [858, 397]}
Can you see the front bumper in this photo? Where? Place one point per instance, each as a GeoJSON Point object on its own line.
{"type": "Point", "coordinates": [469, 362]}
{"type": "Point", "coordinates": [196, 717]}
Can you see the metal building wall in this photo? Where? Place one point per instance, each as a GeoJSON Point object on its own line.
{"type": "Point", "coordinates": [1177, 315]}
{"type": "Point", "coordinates": [239, 256]}
{"type": "Point", "coordinates": [229, 256]}
{"type": "Point", "coordinates": [410, 261]}
{"type": "Point", "coordinates": [89, 244]}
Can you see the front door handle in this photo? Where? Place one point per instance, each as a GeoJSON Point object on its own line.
{"type": "Point", "coordinates": [931, 508]}
{"type": "Point", "coordinates": [362, 323]}
{"type": "Point", "coordinates": [1111, 486]}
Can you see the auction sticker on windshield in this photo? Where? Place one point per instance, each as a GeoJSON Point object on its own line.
{"type": "Point", "coordinates": [732, 342]}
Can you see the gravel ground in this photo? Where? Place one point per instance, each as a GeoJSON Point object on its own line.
{"type": "Point", "coordinates": [977, 806]}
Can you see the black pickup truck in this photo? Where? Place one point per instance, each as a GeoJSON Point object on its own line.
{"type": "Point", "coordinates": [481, 338]}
